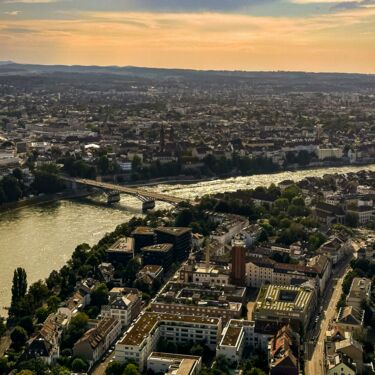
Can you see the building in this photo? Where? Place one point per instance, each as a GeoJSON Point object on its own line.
{"type": "Point", "coordinates": [122, 251]}
{"type": "Point", "coordinates": [143, 335]}
{"type": "Point", "coordinates": [179, 237]}
{"type": "Point", "coordinates": [360, 291]}
{"type": "Point", "coordinates": [232, 343]}
{"type": "Point", "coordinates": [223, 302]}
{"type": "Point", "coordinates": [46, 344]}
{"type": "Point", "coordinates": [283, 353]}
{"type": "Point", "coordinates": [204, 274]}
{"type": "Point", "coordinates": [159, 254]}
{"type": "Point", "coordinates": [143, 236]}
{"type": "Point", "coordinates": [152, 270]}
{"type": "Point", "coordinates": [351, 319]}
{"type": "Point", "coordinates": [341, 366]}
{"type": "Point", "coordinates": [263, 270]}
{"type": "Point", "coordinates": [97, 340]}
{"type": "Point", "coordinates": [285, 304]}
{"type": "Point", "coordinates": [238, 335]}
{"type": "Point", "coordinates": [238, 265]}
{"type": "Point", "coordinates": [176, 364]}
{"type": "Point", "coordinates": [329, 153]}
{"type": "Point", "coordinates": [125, 304]}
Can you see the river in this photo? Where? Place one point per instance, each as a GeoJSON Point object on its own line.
{"type": "Point", "coordinates": [42, 238]}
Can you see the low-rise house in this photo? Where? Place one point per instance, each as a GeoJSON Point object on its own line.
{"type": "Point", "coordinates": [46, 344]}
{"type": "Point", "coordinates": [360, 291]}
{"type": "Point", "coordinates": [351, 319]}
{"type": "Point", "coordinates": [97, 340]}
{"type": "Point", "coordinates": [125, 304]}
{"type": "Point", "coordinates": [283, 353]}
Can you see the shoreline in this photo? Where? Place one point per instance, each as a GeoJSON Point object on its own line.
{"type": "Point", "coordinates": [29, 202]}
{"type": "Point", "coordinates": [48, 198]}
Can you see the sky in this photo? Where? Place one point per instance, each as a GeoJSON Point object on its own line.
{"type": "Point", "coordinates": [267, 35]}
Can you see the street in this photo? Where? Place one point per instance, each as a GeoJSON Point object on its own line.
{"type": "Point", "coordinates": [314, 365]}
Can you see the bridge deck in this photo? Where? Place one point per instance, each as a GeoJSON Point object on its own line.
{"type": "Point", "coordinates": [127, 190]}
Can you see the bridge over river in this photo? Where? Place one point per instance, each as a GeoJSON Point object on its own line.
{"type": "Point", "coordinates": [142, 194]}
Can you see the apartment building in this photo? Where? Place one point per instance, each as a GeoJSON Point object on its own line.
{"type": "Point", "coordinates": [143, 335]}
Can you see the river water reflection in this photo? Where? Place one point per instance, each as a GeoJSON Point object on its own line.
{"type": "Point", "coordinates": [42, 238]}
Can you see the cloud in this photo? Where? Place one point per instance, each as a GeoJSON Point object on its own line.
{"type": "Point", "coordinates": [17, 30]}
{"type": "Point", "coordinates": [29, 1]}
{"type": "Point", "coordinates": [13, 13]}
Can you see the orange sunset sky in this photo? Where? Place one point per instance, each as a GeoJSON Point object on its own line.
{"type": "Point", "coordinates": [308, 35]}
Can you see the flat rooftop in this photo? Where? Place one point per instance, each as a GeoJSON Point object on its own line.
{"type": "Point", "coordinates": [143, 231]}
{"type": "Point", "coordinates": [174, 231]}
{"type": "Point", "coordinates": [283, 298]}
{"type": "Point", "coordinates": [123, 245]}
{"type": "Point", "coordinates": [160, 247]}
{"type": "Point", "coordinates": [231, 336]}
{"type": "Point", "coordinates": [149, 320]}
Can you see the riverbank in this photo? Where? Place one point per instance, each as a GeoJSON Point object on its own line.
{"type": "Point", "coordinates": [48, 198]}
{"type": "Point", "coordinates": [192, 180]}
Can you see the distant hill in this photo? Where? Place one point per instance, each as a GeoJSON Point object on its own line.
{"type": "Point", "coordinates": [276, 81]}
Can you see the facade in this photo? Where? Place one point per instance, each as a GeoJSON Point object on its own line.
{"type": "Point", "coordinates": [159, 254]}
{"type": "Point", "coordinates": [238, 265]}
{"type": "Point", "coordinates": [142, 337]}
{"type": "Point", "coordinates": [179, 237]}
{"type": "Point", "coordinates": [143, 236]}
{"type": "Point", "coordinates": [262, 270]}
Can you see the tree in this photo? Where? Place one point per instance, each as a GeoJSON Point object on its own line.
{"type": "Point", "coordinates": [11, 187]}
{"type": "Point", "coordinates": [53, 303]}
{"type": "Point", "coordinates": [4, 366]}
{"type": "Point", "coordinates": [18, 337]}
{"type": "Point", "coordinates": [26, 322]}
{"type": "Point", "coordinates": [352, 219]}
{"type": "Point", "coordinates": [19, 289]}
{"type": "Point", "coordinates": [130, 272]}
{"type": "Point", "coordinates": [3, 327]}
{"type": "Point", "coordinates": [131, 369]}
{"type": "Point", "coordinates": [79, 365]}
{"type": "Point", "coordinates": [41, 314]}
{"type": "Point", "coordinates": [99, 296]}
{"type": "Point", "coordinates": [45, 182]}
{"type": "Point", "coordinates": [115, 368]}
{"type": "Point", "coordinates": [39, 292]}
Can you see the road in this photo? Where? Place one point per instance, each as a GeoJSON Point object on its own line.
{"type": "Point", "coordinates": [128, 190]}
{"type": "Point", "coordinates": [315, 365]}
{"type": "Point", "coordinates": [100, 367]}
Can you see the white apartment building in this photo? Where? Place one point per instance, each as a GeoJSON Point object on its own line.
{"type": "Point", "coordinates": [143, 335]}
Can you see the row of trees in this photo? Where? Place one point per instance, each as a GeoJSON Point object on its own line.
{"type": "Point", "coordinates": [46, 181]}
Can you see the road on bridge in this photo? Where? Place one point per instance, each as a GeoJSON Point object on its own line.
{"type": "Point", "coordinates": [128, 190]}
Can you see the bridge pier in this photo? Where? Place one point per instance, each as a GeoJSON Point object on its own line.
{"type": "Point", "coordinates": [148, 205]}
{"type": "Point", "coordinates": [113, 197]}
